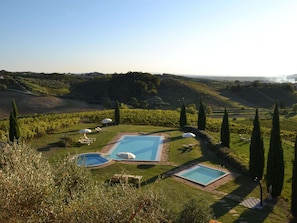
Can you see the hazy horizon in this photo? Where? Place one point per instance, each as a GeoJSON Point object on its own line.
{"type": "Point", "coordinates": [191, 37]}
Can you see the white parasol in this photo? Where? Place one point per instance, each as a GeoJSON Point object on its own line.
{"type": "Point", "coordinates": [84, 131]}
{"type": "Point", "coordinates": [126, 155]}
{"type": "Point", "coordinates": [106, 121]}
{"type": "Point", "coordinates": [188, 135]}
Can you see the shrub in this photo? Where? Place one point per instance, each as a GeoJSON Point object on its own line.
{"type": "Point", "coordinates": [26, 184]}
{"type": "Point", "coordinates": [196, 210]}
{"type": "Point", "coordinates": [65, 141]}
{"type": "Point", "coordinates": [32, 191]}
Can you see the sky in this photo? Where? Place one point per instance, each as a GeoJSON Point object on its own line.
{"type": "Point", "coordinates": [187, 37]}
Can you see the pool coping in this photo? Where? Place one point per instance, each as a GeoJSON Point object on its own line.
{"type": "Point", "coordinates": [179, 174]}
{"type": "Point", "coordinates": [212, 186]}
{"type": "Point", "coordinates": [109, 161]}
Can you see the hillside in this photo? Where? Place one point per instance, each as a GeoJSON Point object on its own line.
{"type": "Point", "coordinates": [31, 104]}
{"type": "Point", "coordinates": [49, 93]}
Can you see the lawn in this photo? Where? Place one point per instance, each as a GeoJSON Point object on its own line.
{"type": "Point", "coordinates": [176, 192]}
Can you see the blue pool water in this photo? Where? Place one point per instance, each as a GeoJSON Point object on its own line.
{"type": "Point", "coordinates": [91, 159]}
{"type": "Point", "coordinates": [145, 148]}
{"type": "Point", "coordinates": [202, 175]}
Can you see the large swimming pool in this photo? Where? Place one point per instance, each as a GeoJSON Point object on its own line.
{"type": "Point", "coordinates": [144, 147]}
{"type": "Point", "coordinates": [202, 174]}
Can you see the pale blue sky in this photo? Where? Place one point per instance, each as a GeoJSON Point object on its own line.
{"type": "Point", "coordinates": [200, 37]}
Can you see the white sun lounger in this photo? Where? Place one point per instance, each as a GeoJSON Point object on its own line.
{"type": "Point", "coordinates": [85, 141]}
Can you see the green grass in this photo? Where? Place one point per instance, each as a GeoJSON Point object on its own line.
{"type": "Point", "coordinates": [176, 192]}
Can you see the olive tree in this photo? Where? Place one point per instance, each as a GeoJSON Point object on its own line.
{"type": "Point", "coordinates": [31, 190]}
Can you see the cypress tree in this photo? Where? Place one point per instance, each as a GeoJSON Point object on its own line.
{"type": "Point", "coordinates": [294, 183]}
{"type": "Point", "coordinates": [256, 162]}
{"type": "Point", "coordinates": [117, 115]}
{"type": "Point", "coordinates": [14, 128]}
{"type": "Point", "coordinates": [275, 160]}
{"type": "Point", "coordinates": [225, 132]}
{"type": "Point", "coordinates": [183, 116]}
{"type": "Point", "coordinates": [14, 109]}
{"type": "Point", "coordinates": [201, 117]}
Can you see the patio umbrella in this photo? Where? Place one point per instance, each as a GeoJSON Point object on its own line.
{"type": "Point", "coordinates": [106, 121]}
{"type": "Point", "coordinates": [126, 155]}
{"type": "Point", "coordinates": [188, 135]}
{"type": "Point", "coordinates": [84, 131]}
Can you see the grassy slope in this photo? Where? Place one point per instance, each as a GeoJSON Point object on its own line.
{"type": "Point", "coordinates": [176, 192]}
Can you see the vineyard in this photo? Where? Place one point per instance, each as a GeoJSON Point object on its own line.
{"type": "Point", "coordinates": [38, 125]}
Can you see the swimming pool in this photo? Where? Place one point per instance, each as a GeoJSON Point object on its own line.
{"type": "Point", "coordinates": [202, 174]}
{"type": "Point", "coordinates": [91, 159]}
{"type": "Point", "coordinates": [145, 148]}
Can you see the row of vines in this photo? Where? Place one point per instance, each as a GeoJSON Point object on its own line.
{"type": "Point", "coordinates": [39, 125]}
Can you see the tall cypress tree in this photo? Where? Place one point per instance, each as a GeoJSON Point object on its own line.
{"type": "Point", "coordinates": [14, 128]}
{"type": "Point", "coordinates": [14, 109]}
{"type": "Point", "coordinates": [275, 160]}
{"type": "Point", "coordinates": [183, 116]}
{"type": "Point", "coordinates": [225, 131]}
{"type": "Point", "coordinates": [117, 115]}
{"type": "Point", "coordinates": [256, 162]}
{"type": "Point", "coordinates": [201, 117]}
{"type": "Point", "coordinates": [294, 183]}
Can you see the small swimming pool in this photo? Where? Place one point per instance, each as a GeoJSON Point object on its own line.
{"type": "Point", "coordinates": [91, 159]}
{"type": "Point", "coordinates": [145, 148]}
{"type": "Point", "coordinates": [202, 174]}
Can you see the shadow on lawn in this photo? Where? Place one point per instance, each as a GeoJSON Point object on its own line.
{"type": "Point", "coordinates": [232, 199]}
{"type": "Point", "coordinates": [56, 145]}
{"type": "Point", "coordinates": [160, 131]}
{"type": "Point", "coordinates": [257, 215]}
{"type": "Point", "coordinates": [48, 147]}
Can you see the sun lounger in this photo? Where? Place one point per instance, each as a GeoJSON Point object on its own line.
{"type": "Point", "coordinates": [85, 141]}
{"type": "Point", "coordinates": [88, 139]}
{"type": "Point", "coordinates": [98, 129]}
{"type": "Point", "coordinates": [91, 139]}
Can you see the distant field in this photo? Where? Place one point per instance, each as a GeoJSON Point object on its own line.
{"type": "Point", "coordinates": [30, 104]}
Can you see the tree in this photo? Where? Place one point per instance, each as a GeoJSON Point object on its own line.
{"type": "Point", "coordinates": [134, 102]}
{"type": "Point", "coordinates": [225, 132]}
{"type": "Point", "coordinates": [144, 104]}
{"type": "Point", "coordinates": [201, 117]}
{"type": "Point", "coordinates": [117, 115]}
{"type": "Point", "coordinates": [14, 128]}
{"type": "Point", "coordinates": [294, 183]}
{"type": "Point", "coordinates": [183, 117]}
{"type": "Point", "coordinates": [35, 191]}
{"type": "Point", "coordinates": [208, 110]}
{"type": "Point", "coordinates": [14, 109]}
{"type": "Point", "coordinates": [294, 107]}
{"type": "Point", "coordinates": [256, 162]}
{"type": "Point", "coordinates": [275, 160]}
{"type": "Point", "coordinates": [191, 109]}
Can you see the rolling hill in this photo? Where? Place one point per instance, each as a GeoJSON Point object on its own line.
{"type": "Point", "coordinates": [58, 93]}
